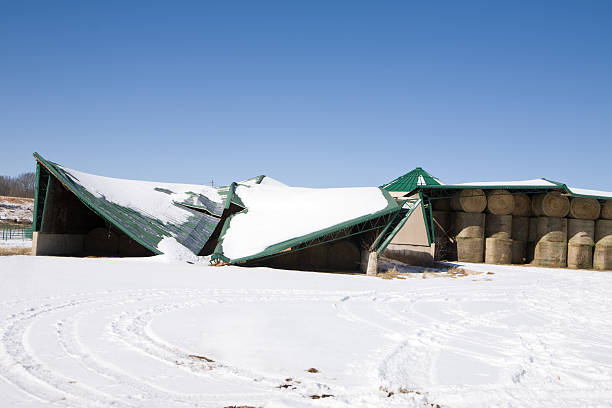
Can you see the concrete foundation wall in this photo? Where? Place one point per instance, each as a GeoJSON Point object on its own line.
{"type": "Point", "coordinates": [57, 244]}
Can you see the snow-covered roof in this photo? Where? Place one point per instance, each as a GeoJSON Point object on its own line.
{"type": "Point", "coordinates": [529, 183]}
{"type": "Point", "coordinates": [278, 216]}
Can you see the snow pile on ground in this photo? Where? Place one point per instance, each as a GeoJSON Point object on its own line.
{"type": "Point", "coordinates": [16, 209]}
{"type": "Point", "coordinates": [276, 213]}
{"type": "Point", "coordinates": [136, 333]}
{"type": "Point", "coordinates": [154, 199]}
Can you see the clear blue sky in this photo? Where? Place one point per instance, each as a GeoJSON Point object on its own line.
{"type": "Point", "coordinates": [318, 94]}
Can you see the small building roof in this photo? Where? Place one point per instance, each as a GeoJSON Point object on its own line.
{"type": "Point", "coordinates": [411, 180]}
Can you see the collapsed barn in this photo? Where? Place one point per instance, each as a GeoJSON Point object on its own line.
{"type": "Point", "coordinates": [416, 219]}
{"type": "Point", "coordinates": [538, 222]}
{"type": "Point", "coordinates": [256, 222]}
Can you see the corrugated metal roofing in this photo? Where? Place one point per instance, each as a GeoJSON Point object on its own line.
{"type": "Point", "coordinates": [190, 227]}
{"type": "Point", "coordinates": [411, 180]}
{"type": "Point", "coordinates": [283, 203]}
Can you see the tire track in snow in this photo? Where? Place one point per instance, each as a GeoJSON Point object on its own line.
{"type": "Point", "coordinates": [20, 366]}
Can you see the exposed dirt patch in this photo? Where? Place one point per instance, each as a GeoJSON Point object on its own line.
{"type": "Point", "coordinates": [15, 251]}
{"type": "Point", "coordinates": [321, 396]}
{"type": "Point", "coordinates": [312, 370]}
{"type": "Point", "coordinates": [202, 358]}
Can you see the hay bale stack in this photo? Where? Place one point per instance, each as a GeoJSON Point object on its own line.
{"type": "Point", "coordinates": [551, 247]}
{"type": "Point", "coordinates": [469, 232]}
{"type": "Point", "coordinates": [471, 201]}
{"type": "Point", "coordinates": [498, 251]}
{"type": "Point", "coordinates": [551, 254]}
{"type": "Point", "coordinates": [606, 210]}
{"type": "Point", "coordinates": [602, 257]}
{"type": "Point", "coordinates": [498, 226]}
{"type": "Point", "coordinates": [470, 249]}
{"type": "Point", "coordinates": [603, 229]}
{"type": "Point", "coordinates": [581, 235]}
{"type": "Point", "coordinates": [469, 225]}
{"type": "Point", "coordinates": [522, 205]}
{"type": "Point", "coordinates": [551, 204]}
{"type": "Point", "coordinates": [584, 208]}
{"type": "Point", "coordinates": [500, 202]}
{"type": "Point", "coordinates": [498, 244]}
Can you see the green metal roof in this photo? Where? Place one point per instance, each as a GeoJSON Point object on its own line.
{"type": "Point", "coordinates": [144, 228]}
{"type": "Point", "coordinates": [410, 181]}
{"type": "Point", "coordinates": [391, 209]}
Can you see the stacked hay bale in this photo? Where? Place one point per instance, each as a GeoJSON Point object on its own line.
{"type": "Point", "coordinates": [469, 222]}
{"type": "Point", "coordinates": [551, 246]}
{"type": "Point", "coordinates": [498, 231]}
{"type": "Point", "coordinates": [602, 258]}
{"type": "Point", "coordinates": [606, 210]}
{"type": "Point", "coordinates": [581, 232]}
{"type": "Point", "coordinates": [520, 228]}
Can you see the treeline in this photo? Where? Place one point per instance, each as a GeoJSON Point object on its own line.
{"type": "Point", "coordinates": [20, 186]}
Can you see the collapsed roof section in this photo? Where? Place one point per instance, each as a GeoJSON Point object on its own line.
{"type": "Point", "coordinates": [247, 220]}
{"type": "Point", "coordinates": [279, 218]}
{"type": "Point", "coordinates": [159, 216]}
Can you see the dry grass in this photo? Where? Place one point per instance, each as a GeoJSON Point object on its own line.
{"type": "Point", "coordinates": [16, 200]}
{"type": "Point", "coordinates": [390, 274]}
{"type": "Point", "coordinates": [15, 251]}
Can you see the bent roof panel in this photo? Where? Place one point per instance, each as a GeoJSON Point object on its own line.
{"type": "Point", "coordinates": [278, 217]}
{"type": "Point", "coordinates": [146, 211]}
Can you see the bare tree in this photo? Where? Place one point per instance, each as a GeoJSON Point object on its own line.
{"type": "Point", "coordinates": [20, 186]}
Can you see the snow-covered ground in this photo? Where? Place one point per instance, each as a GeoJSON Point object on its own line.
{"type": "Point", "coordinates": [16, 243]}
{"type": "Point", "coordinates": [16, 209]}
{"type": "Point", "coordinates": [141, 333]}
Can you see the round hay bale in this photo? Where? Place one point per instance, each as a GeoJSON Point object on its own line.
{"type": "Point", "coordinates": [533, 229]}
{"type": "Point", "coordinates": [606, 210]}
{"type": "Point", "coordinates": [520, 228]}
{"type": "Point", "coordinates": [500, 202]}
{"type": "Point", "coordinates": [498, 251]}
{"type": "Point", "coordinates": [522, 205]}
{"type": "Point", "coordinates": [602, 256]}
{"type": "Point", "coordinates": [552, 229]}
{"type": "Point", "coordinates": [581, 232]}
{"type": "Point", "coordinates": [471, 200]}
{"type": "Point", "coordinates": [519, 252]}
{"type": "Point", "coordinates": [440, 204]}
{"type": "Point", "coordinates": [551, 204]}
{"type": "Point", "coordinates": [603, 229]}
{"type": "Point", "coordinates": [552, 254]}
{"type": "Point", "coordinates": [101, 242]}
{"type": "Point", "coordinates": [469, 225]}
{"type": "Point", "coordinates": [470, 249]}
{"type": "Point", "coordinates": [584, 208]}
{"type": "Point", "coordinates": [579, 256]}
{"type": "Point", "coordinates": [498, 226]}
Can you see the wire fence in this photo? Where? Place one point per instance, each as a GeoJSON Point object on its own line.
{"type": "Point", "coordinates": [8, 232]}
